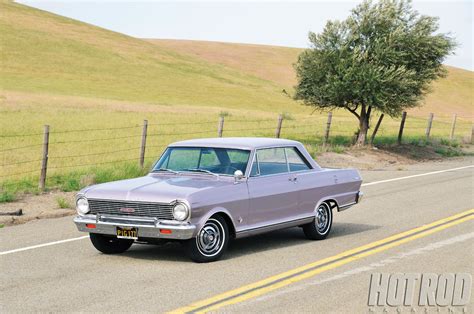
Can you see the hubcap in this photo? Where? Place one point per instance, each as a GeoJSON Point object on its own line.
{"type": "Point", "coordinates": [322, 218]}
{"type": "Point", "coordinates": [211, 238]}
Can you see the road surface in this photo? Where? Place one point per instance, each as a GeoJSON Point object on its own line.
{"type": "Point", "coordinates": [417, 224]}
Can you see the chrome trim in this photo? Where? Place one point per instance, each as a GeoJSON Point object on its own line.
{"type": "Point", "coordinates": [346, 206]}
{"type": "Point", "coordinates": [359, 196]}
{"type": "Point", "coordinates": [163, 211]}
{"type": "Point", "coordinates": [275, 226]}
{"type": "Point", "coordinates": [147, 227]}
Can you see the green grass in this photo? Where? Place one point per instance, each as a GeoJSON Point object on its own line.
{"type": "Point", "coordinates": [63, 203]}
{"type": "Point", "coordinates": [7, 196]}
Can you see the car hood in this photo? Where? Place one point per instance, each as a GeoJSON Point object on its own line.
{"type": "Point", "coordinates": [155, 188]}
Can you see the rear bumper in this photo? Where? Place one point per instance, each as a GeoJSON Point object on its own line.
{"type": "Point", "coordinates": [357, 200]}
{"type": "Point", "coordinates": [147, 227]}
{"type": "Point", "coordinates": [359, 197]}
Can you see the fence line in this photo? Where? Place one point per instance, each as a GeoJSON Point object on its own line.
{"type": "Point", "coordinates": [280, 126]}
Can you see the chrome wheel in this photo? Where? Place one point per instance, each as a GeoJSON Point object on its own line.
{"type": "Point", "coordinates": [211, 238]}
{"type": "Point", "coordinates": [323, 218]}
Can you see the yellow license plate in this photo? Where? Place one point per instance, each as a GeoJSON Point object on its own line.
{"type": "Point", "coordinates": [127, 233]}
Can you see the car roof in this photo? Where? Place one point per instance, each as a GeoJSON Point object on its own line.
{"type": "Point", "coordinates": [236, 142]}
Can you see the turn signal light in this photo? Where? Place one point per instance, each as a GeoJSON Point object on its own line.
{"type": "Point", "coordinates": [166, 231]}
{"type": "Point", "coordinates": [91, 226]}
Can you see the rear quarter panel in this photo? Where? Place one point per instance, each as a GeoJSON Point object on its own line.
{"type": "Point", "coordinates": [317, 186]}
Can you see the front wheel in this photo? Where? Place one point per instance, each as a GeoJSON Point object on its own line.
{"type": "Point", "coordinates": [211, 241]}
{"type": "Point", "coordinates": [319, 228]}
{"type": "Point", "coordinates": [109, 245]}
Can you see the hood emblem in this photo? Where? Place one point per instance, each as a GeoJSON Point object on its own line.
{"type": "Point", "coordinates": [127, 210]}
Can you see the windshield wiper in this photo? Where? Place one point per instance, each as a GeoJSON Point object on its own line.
{"type": "Point", "coordinates": [201, 170]}
{"type": "Point", "coordinates": [167, 170]}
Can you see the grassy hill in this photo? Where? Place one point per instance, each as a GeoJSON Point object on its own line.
{"type": "Point", "coordinates": [46, 53]}
{"type": "Point", "coordinates": [452, 94]}
{"type": "Point", "coordinates": [75, 76]}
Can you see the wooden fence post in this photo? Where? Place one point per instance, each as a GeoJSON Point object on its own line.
{"type": "Point", "coordinates": [376, 129]}
{"type": "Point", "coordinates": [44, 164]}
{"type": "Point", "coordinates": [453, 127]}
{"type": "Point", "coordinates": [328, 127]}
{"type": "Point", "coordinates": [472, 134]}
{"type": "Point", "coordinates": [278, 129]}
{"type": "Point", "coordinates": [143, 146]}
{"type": "Point", "coordinates": [220, 127]}
{"type": "Point", "coordinates": [428, 127]}
{"type": "Point", "coordinates": [402, 125]}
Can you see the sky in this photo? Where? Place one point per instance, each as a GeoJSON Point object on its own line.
{"type": "Point", "coordinates": [284, 23]}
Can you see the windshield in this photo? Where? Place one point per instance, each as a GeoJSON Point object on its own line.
{"type": "Point", "coordinates": [203, 159]}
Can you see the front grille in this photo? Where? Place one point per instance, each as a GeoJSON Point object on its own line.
{"type": "Point", "coordinates": [160, 211]}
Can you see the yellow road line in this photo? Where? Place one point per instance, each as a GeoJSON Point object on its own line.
{"type": "Point", "coordinates": [297, 274]}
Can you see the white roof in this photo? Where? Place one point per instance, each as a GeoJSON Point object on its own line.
{"type": "Point", "coordinates": [237, 142]}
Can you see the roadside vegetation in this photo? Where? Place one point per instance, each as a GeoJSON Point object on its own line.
{"type": "Point", "coordinates": [95, 87]}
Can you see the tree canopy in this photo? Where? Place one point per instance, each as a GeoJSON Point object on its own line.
{"type": "Point", "coordinates": [382, 57]}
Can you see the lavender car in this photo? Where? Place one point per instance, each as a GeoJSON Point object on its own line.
{"type": "Point", "coordinates": [204, 192]}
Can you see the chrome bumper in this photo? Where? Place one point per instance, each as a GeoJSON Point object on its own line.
{"type": "Point", "coordinates": [147, 227]}
{"type": "Point", "coordinates": [359, 196]}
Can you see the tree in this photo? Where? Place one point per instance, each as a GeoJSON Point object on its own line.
{"type": "Point", "coordinates": [382, 57]}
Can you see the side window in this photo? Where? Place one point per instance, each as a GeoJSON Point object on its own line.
{"type": "Point", "coordinates": [295, 160]}
{"type": "Point", "coordinates": [272, 161]}
{"type": "Point", "coordinates": [255, 172]}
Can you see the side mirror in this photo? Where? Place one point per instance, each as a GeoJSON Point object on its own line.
{"type": "Point", "coordinates": [238, 175]}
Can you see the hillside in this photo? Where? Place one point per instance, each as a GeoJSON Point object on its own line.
{"type": "Point", "coordinates": [451, 94]}
{"type": "Point", "coordinates": [271, 63]}
{"type": "Point", "coordinates": [46, 53]}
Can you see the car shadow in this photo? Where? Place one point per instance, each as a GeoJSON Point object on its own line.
{"type": "Point", "coordinates": [289, 237]}
{"type": "Point", "coordinates": [174, 251]}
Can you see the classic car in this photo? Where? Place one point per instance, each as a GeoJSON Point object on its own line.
{"type": "Point", "coordinates": [204, 192]}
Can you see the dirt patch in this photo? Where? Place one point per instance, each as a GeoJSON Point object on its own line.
{"type": "Point", "coordinates": [38, 207]}
{"type": "Point", "coordinates": [375, 158]}
{"type": "Point", "coordinates": [393, 157]}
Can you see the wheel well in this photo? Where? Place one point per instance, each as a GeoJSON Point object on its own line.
{"type": "Point", "coordinates": [228, 221]}
{"type": "Point", "coordinates": [332, 203]}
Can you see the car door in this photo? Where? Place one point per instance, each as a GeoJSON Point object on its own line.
{"type": "Point", "coordinates": [273, 196]}
{"type": "Point", "coordinates": [304, 176]}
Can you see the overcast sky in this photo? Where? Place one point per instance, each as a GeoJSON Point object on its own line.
{"type": "Point", "coordinates": [258, 22]}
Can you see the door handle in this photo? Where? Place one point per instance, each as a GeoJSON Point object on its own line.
{"type": "Point", "coordinates": [293, 179]}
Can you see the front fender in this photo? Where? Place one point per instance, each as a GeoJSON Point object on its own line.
{"type": "Point", "coordinates": [211, 213]}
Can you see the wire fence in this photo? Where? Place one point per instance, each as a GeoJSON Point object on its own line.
{"type": "Point", "coordinates": [42, 154]}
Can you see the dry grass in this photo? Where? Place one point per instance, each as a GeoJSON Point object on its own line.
{"type": "Point", "coordinates": [452, 94]}
{"type": "Point", "coordinates": [82, 77]}
{"type": "Point", "coordinates": [271, 63]}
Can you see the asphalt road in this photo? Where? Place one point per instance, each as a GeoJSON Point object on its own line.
{"type": "Point", "coordinates": [73, 276]}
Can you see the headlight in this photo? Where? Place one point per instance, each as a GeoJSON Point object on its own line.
{"type": "Point", "coordinates": [82, 206]}
{"type": "Point", "coordinates": [180, 211]}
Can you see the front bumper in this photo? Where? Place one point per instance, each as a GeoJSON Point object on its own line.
{"type": "Point", "coordinates": [147, 227]}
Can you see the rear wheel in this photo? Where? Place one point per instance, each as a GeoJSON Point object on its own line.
{"type": "Point", "coordinates": [109, 245]}
{"type": "Point", "coordinates": [211, 241]}
{"type": "Point", "coordinates": [319, 228]}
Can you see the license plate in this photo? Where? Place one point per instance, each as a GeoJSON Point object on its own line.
{"type": "Point", "coordinates": [127, 233]}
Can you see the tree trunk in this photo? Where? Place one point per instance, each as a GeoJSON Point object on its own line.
{"type": "Point", "coordinates": [364, 118]}
{"type": "Point", "coordinates": [363, 128]}
{"type": "Point", "coordinates": [363, 125]}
